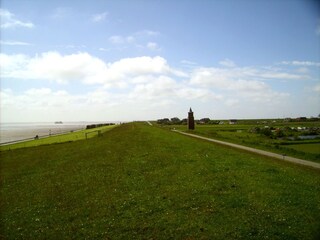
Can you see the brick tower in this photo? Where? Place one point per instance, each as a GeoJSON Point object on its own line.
{"type": "Point", "coordinates": [190, 120]}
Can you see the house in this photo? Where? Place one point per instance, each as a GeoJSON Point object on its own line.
{"type": "Point", "coordinates": [301, 119]}
{"type": "Point", "coordinates": [232, 121]}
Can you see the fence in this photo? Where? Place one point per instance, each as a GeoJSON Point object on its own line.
{"type": "Point", "coordinates": [98, 131]}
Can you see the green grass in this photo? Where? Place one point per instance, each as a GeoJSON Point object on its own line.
{"type": "Point", "coordinates": [239, 134]}
{"type": "Point", "coordinates": [308, 148]}
{"type": "Point", "coordinates": [68, 137]}
{"type": "Point", "coordinates": [142, 182]}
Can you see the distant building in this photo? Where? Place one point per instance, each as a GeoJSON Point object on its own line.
{"type": "Point", "coordinates": [233, 121]}
{"type": "Point", "coordinates": [190, 120]}
{"type": "Point", "coordinates": [302, 119]}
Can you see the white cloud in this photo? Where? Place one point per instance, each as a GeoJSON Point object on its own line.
{"type": "Point", "coordinates": [12, 65]}
{"type": "Point", "coordinates": [159, 87]}
{"type": "Point", "coordinates": [140, 39]}
{"type": "Point", "coordinates": [225, 80]}
{"type": "Point", "coordinates": [153, 46]}
{"type": "Point", "coordinates": [231, 102]}
{"type": "Point", "coordinates": [83, 67]}
{"type": "Point", "coordinates": [224, 77]}
{"type": "Point", "coordinates": [187, 62]}
{"type": "Point", "coordinates": [302, 63]}
{"type": "Point", "coordinates": [145, 85]}
{"type": "Point", "coordinates": [247, 86]}
{"type": "Point", "coordinates": [191, 93]}
{"type": "Point", "coordinates": [104, 49]}
{"type": "Point", "coordinates": [53, 66]}
{"type": "Point", "coordinates": [227, 63]}
{"type": "Point", "coordinates": [280, 75]}
{"type": "Point", "coordinates": [99, 17]}
{"type": "Point", "coordinates": [303, 70]}
{"type": "Point", "coordinates": [46, 98]}
{"type": "Point", "coordinates": [244, 83]}
{"type": "Point", "coordinates": [15, 43]}
{"type": "Point", "coordinates": [8, 20]}
{"type": "Point", "coordinates": [316, 88]}
{"type": "Point", "coordinates": [139, 66]}
{"type": "Point", "coordinates": [39, 92]}
{"type": "Point", "coordinates": [116, 39]}
{"type": "Point", "coordinates": [147, 33]}
{"type": "Point", "coordinates": [35, 99]}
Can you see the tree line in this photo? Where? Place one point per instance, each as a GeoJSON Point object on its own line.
{"type": "Point", "coordinates": [184, 121]}
{"type": "Point", "coordinates": [98, 125]}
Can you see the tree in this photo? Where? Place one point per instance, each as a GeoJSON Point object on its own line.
{"type": "Point", "coordinates": [163, 121]}
{"type": "Point", "coordinates": [175, 120]}
{"type": "Point", "coordinates": [205, 120]}
{"type": "Point", "coordinates": [266, 131]}
{"type": "Point", "coordinates": [279, 133]}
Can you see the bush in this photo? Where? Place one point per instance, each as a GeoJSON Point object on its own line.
{"type": "Point", "coordinates": [266, 131]}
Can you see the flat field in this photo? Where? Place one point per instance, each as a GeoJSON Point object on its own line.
{"type": "Point", "coordinates": [309, 148]}
{"type": "Point", "coordinates": [143, 182]}
{"type": "Point", "coordinates": [241, 134]}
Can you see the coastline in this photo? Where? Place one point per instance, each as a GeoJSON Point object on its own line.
{"type": "Point", "coordinates": [11, 133]}
{"type": "Point", "coordinates": [25, 135]}
{"type": "Point", "coordinates": [17, 132]}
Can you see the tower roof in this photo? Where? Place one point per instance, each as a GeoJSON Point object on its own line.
{"type": "Point", "coordinates": [190, 110]}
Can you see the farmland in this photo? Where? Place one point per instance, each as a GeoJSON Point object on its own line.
{"type": "Point", "coordinates": [143, 182]}
{"type": "Point", "coordinates": [278, 137]}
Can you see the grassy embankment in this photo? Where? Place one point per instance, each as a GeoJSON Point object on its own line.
{"type": "Point", "coordinates": [141, 182]}
{"type": "Point", "coordinates": [61, 138]}
{"type": "Point", "coordinates": [240, 134]}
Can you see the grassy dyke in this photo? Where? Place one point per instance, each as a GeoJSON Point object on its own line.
{"type": "Point", "coordinates": [141, 182]}
{"type": "Point", "coordinates": [61, 138]}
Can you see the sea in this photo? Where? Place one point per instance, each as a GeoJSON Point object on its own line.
{"type": "Point", "coordinates": [15, 132]}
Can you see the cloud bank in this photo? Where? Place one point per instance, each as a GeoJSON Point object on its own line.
{"type": "Point", "coordinates": [146, 84]}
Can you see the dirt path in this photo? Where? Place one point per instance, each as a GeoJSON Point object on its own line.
{"type": "Point", "coordinates": [258, 151]}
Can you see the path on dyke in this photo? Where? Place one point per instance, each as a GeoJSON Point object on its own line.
{"type": "Point", "coordinates": [258, 151]}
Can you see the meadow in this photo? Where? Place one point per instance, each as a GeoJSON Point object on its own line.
{"type": "Point", "coordinates": [309, 147]}
{"type": "Point", "coordinates": [143, 182]}
{"type": "Point", "coordinates": [242, 134]}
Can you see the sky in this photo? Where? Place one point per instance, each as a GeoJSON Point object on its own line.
{"type": "Point", "coordinates": [128, 60]}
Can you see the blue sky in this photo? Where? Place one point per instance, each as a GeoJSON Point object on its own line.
{"type": "Point", "coordinates": [137, 60]}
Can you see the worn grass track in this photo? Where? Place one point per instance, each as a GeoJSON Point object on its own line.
{"type": "Point", "coordinates": [142, 182]}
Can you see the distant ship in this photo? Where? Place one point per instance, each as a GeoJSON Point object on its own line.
{"type": "Point", "coordinates": [58, 122]}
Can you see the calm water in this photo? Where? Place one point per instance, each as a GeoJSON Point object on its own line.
{"type": "Point", "coordinates": [19, 131]}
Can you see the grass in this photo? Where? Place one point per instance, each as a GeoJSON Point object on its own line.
{"type": "Point", "coordinates": [239, 134]}
{"type": "Point", "coordinates": [62, 138]}
{"type": "Point", "coordinates": [308, 148]}
{"type": "Point", "coordinates": [142, 182]}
